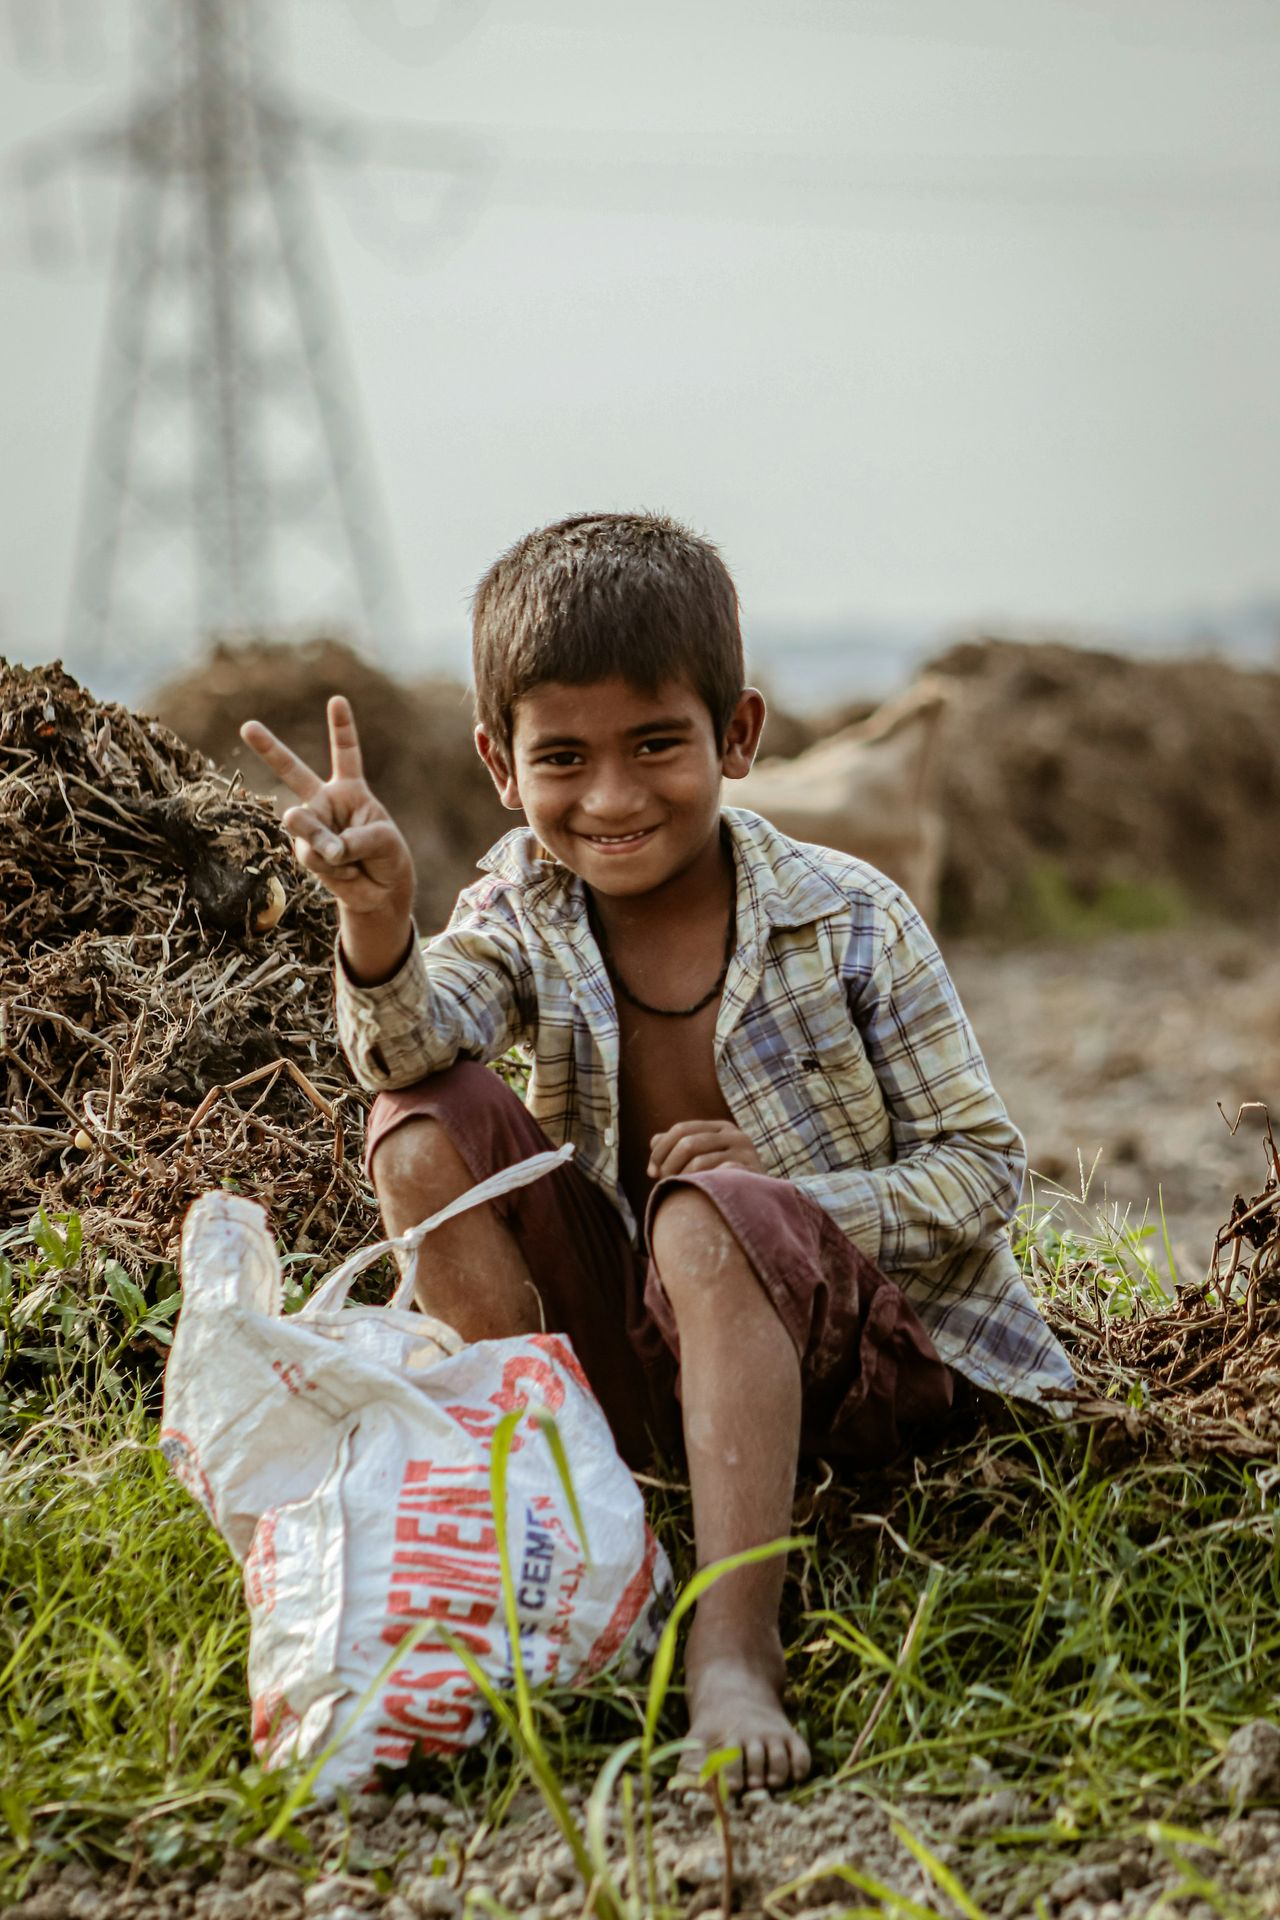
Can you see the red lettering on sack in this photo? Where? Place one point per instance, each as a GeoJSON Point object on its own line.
{"type": "Point", "coordinates": [461, 1500]}
{"type": "Point", "coordinates": [448, 1717]}
{"type": "Point", "coordinates": [446, 1533]}
{"type": "Point", "coordinates": [628, 1610]}
{"type": "Point", "coordinates": [480, 1423]}
{"type": "Point", "coordinates": [406, 1748]}
{"type": "Point", "coordinates": [464, 1626]}
{"type": "Point", "coordinates": [291, 1377]}
{"type": "Point", "coordinates": [564, 1355]}
{"type": "Point", "coordinates": [528, 1366]}
{"type": "Point", "coordinates": [464, 1576]}
{"type": "Point", "coordinates": [419, 1682]}
{"type": "Point", "coordinates": [511, 1396]}
{"type": "Point", "coordinates": [458, 1590]}
{"type": "Point", "coordinates": [271, 1720]}
{"type": "Point", "coordinates": [568, 1591]}
{"type": "Point", "coordinates": [260, 1565]}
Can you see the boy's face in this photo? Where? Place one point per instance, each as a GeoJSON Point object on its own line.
{"type": "Point", "coordinates": [622, 786]}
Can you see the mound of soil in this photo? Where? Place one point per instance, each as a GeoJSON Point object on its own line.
{"type": "Point", "coordinates": [1100, 777]}
{"type": "Point", "coordinates": [1092, 772]}
{"type": "Point", "coordinates": [165, 1006]}
{"type": "Point", "coordinates": [417, 741]}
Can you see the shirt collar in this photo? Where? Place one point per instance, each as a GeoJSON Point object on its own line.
{"type": "Point", "coordinates": [781, 882]}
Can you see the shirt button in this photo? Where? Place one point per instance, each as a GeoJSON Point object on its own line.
{"type": "Point", "coordinates": [609, 1136]}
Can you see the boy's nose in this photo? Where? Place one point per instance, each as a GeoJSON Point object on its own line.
{"type": "Point", "coordinates": [614, 797]}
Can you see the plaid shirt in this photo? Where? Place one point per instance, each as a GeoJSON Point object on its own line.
{"type": "Point", "coordinates": [841, 1049]}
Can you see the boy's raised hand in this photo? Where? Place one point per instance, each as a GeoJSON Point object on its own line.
{"type": "Point", "coordinates": [341, 832]}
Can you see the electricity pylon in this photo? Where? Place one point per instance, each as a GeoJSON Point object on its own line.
{"type": "Point", "coordinates": [229, 486]}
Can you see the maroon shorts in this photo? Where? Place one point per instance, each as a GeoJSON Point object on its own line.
{"type": "Point", "coordinates": [872, 1382]}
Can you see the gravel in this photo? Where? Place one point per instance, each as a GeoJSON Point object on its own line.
{"type": "Point", "coordinates": [790, 1853]}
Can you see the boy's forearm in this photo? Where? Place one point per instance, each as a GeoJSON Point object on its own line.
{"type": "Point", "coordinates": [374, 946]}
{"type": "Point", "coordinates": [400, 1019]}
{"type": "Point", "coordinates": [384, 1023]}
{"type": "Point", "coordinates": [933, 1201]}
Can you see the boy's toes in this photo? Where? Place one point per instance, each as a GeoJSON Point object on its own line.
{"type": "Point", "coordinates": [754, 1768]}
{"type": "Point", "coordinates": [798, 1756]}
{"type": "Point", "coordinates": [735, 1703]}
{"type": "Point", "coordinates": [788, 1761]}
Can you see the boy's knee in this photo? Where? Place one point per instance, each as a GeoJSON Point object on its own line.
{"type": "Point", "coordinates": [693, 1247]}
{"type": "Point", "coordinates": [418, 1157]}
{"type": "Point", "coordinates": [419, 1146]}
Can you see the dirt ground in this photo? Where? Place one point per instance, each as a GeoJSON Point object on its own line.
{"type": "Point", "coordinates": [1122, 1048]}
{"type": "Point", "coordinates": [417, 1859]}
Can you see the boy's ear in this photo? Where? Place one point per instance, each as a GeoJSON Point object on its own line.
{"type": "Point", "coordinates": [742, 735]}
{"type": "Point", "coordinates": [499, 770]}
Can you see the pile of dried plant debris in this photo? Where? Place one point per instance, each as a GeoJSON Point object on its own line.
{"type": "Point", "coordinates": [165, 989]}
{"type": "Point", "coordinates": [1201, 1376]}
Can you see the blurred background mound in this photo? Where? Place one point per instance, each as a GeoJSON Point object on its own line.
{"type": "Point", "coordinates": [417, 741]}
{"type": "Point", "coordinates": [1079, 785]}
{"type": "Point", "coordinates": [870, 789]}
{"type": "Point", "coordinates": [1065, 789]}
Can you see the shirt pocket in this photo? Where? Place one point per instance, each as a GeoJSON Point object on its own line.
{"type": "Point", "coordinates": [836, 1102]}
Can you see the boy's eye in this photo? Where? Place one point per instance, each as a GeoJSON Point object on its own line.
{"type": "Point", "coordinates": [564, 757]}
{"type": "Point", "coordinates": [659, 745]}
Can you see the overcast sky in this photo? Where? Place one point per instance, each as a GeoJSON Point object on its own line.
{"type": "Point", "coordinates": [928, 311]}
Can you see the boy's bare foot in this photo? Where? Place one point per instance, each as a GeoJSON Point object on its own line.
{"type": "Point", "coordinates": [735, 1700]}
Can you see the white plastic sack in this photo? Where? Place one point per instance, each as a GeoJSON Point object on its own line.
{"type": "Point", "coordinates": [344, 1453]}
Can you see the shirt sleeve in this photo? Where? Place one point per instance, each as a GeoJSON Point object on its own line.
{"type": "Point", "coordinates": [467, 994]}
{"type": "Point", "coordinates": [958, 1160]}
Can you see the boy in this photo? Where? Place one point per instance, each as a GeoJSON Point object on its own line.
{"type": "Point", "coordinates": [777, 1100]}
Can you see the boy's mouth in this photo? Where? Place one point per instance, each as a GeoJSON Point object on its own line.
{"type": "Point", "coordinates": [617, 842]}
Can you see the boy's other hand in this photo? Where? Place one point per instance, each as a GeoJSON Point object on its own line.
{"type": "Point", "coordinates": [696, 1146]}
{"type": "Point", "coordinates": [341, 832]}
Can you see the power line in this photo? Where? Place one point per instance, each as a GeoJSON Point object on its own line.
{"type": "Point", "coordinates": [643, 170]}
{"type": "Point", "coordinates": [417, 40]}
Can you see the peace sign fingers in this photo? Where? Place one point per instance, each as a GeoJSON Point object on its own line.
{"type": "Point", "coordinates": [282, 760]}
{"type": "Point", "coordinates": [344, 741]}
{"type": "Point", "coordinates": [341, 832]}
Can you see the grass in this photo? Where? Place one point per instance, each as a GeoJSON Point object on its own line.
{"type": "Point", "coordinates": [1049, 906]}
{"type": "Point", "coordinates": [1091, 1631]}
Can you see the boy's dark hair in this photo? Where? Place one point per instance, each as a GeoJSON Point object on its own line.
{"type": "Point", "coordinates": [634, 595]}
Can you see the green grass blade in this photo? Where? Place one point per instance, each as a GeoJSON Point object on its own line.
{"type": "Point", "coordinates": [546, 1425]}
{"type": "Point", "coordinates": [940, 1874]}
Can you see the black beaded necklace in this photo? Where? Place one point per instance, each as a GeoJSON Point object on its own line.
{"type": "Point", "coordinates": [667, 1013]}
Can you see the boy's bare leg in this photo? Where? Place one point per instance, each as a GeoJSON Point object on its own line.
{"type": "Point", "coordinates": [740, 1382]}
{"type": "Point", "coordinates": [471, 1273]}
